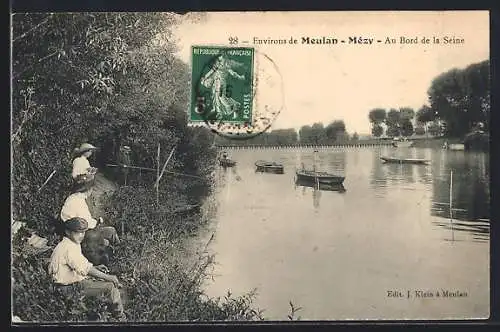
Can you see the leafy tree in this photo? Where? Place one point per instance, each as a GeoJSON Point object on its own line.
{"type": "Point", "coordinates": [335, 130]}
{"type": "Point", "coordinates": [305, 136]}
{"type": "Point", "coordinates": [377, 130]}
{"type": "Point", "coordinates": [318, 134]}
{"type": "Point", "coordinates": [425, 114]}
{"type": "Point", "coordinates": [377, 115]}
{"type": "Point", "coordinates": [435, 129]}
{"type": "Point", "coordinates": [393, 131]}
{"type": "Point", "coordinates": [393, 117]}
{"type": "Point", "coordinates": [460, 97]}
{"type": "Point", "coordinates": [406, 113]}
{"type": "Point", "coordinates": [406, 127]}
{"type": "Point", "coordinates": [420, 130]}
{"type": "Point", "coordinates": [355, 137]}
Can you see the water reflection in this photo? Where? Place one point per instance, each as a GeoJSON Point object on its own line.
{"type": "Point", "coordinates": [391, 223]}
{"type": "Point", "coordinates": [469, 186]}
{"type": "Point", "coordinates": [470, 189]}
{"type": "Point", "coordinates": [316, 190]}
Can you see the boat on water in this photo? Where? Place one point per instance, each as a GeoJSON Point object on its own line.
{"type": "Point", "coordinates": [454, 147]}
{"type": "Point", "coordinates": [226, 162]}
{"type": "Point", "coordinates": [321, 186]}
{"type": "Point", "coordinates": [402, 143]}
{"type": "Point", "coordinates": [316, 177]}
{"type": "Point", "coordinates": [405, 160]}
{"type": "Point", "coordinates": [269, 167]}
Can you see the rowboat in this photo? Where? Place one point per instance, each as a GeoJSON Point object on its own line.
{"type": "Point", "coordinates": [404, 160]}
{"type": "Point", "coordinates": [321, 186]}
{"type": "Point", "coordinates": [227, 162]}
{"type": "Point", "coordinates": [269, 167]}
{"type": "Point", "coordinates": [455, 147]}
{"type": "Point", "coordinates": [316, 177]}
{"type": "Point", "coordinates": [402, 144]}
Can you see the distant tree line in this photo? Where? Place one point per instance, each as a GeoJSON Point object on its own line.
{"type": "Point", "coordinates": [315, 134]}
{"type": "Point", "coordinates": [459, 104]}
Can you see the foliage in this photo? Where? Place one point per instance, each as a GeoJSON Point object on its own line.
{"type": "Point", "coordinates": [151, 263]}
{"type": "Point", "coordinates": [377, 130]}
{"type": "Point", "coordinates": [335, 131]}
{"type": "Point", "coordinates": [435, 128]}
{"type": "Point", "coordinates": [425, 114]}
{"type": "Point", "coordinates": [377, 116]}
{"type": "Point", "coordinates": [460, 98]}
{"type": "Point", "coordinates": [110, 79]}
{"type": "Point", "coordinates": [34, 299]}
{"type": "Point", "coordinates": [419, 130]}
{"type": "Point", "coordinates": [355, 136]}
{"type": "Point", "coordinates": [406, 127]}
{"type": "Point", "coordinates": [69, 70]}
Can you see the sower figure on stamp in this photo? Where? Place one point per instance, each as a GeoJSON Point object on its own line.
{"type": "Point", "coordinates": [82, 170]}
{"type": "Point", "coordinates": [68, 268]}
{"type": "Point", "coordinates": [216, 79]}
{"type": "Point", "coordinates": [96, 245]}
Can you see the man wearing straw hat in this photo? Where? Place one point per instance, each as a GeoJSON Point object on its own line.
{"type": "Point", "coordinates": [81, 166]}
{"type": "Point", "coordinates": [69, 268]}
{"type": "Point", "coordinates": [76, 206]}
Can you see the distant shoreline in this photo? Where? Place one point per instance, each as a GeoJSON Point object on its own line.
{"type": "Point", "coordinates": [420, 142]}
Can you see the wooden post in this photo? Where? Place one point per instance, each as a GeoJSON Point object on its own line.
{"type": "Point", "coordinates": [158, 177]}
{"type": "Point", "coordinates": [451, 205]}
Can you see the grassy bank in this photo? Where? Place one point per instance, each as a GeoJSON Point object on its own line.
{"type": "Point", "coordinates": [161, 271]}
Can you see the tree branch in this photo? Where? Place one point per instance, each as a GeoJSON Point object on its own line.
{"type": "Point", "coordinates": [33, 28]}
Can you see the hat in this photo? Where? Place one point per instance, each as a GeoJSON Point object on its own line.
{"type": "Point", "coordinates": [85, 147]}
{"type": "Point", "coordinates": [76, 224]}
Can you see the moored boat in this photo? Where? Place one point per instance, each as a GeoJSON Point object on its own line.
{"type": "Point", "coordinates": [321, 186]}
{"type": "Point", "coordinates": [402, 143]}
{"type": "Point", "coordinates": [304, 175]}
{"type": "Point", "coordinates": [269, 167]}
{"type": "Point", "coordinates": [405, 160]}
{"type": "Point", "coordinates": [227, 162]}
{"type": "Point", "coordinates": [456, 147]}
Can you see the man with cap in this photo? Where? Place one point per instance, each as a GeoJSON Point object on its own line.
{"type": "Point", "coordinates": [81, 165]}
{"type": "Point", "coordinates": [68, 268]}
{"type": "Point", "coordinates": [76, 206]}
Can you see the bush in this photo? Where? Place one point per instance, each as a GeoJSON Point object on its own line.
{"type": "Point", "coordinates": [35, 299]}
{"type": "Point", "coordinates": [163, 277]}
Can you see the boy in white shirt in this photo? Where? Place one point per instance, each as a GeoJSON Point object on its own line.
{"type": "Point", "coordinates": [68, 267]}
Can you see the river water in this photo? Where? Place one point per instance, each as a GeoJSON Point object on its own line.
{"type": "Point", "coordinates": [338, 254]}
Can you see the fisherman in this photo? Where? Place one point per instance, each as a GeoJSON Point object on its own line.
{"type": "Point", "coordinates": [99, 236]}
{"type": "Point", "coordinates": [82, 170]}
{"type": "Point", "coordinates": [124, 161]}
{"type": "Point", "coordinates": [69, 268]}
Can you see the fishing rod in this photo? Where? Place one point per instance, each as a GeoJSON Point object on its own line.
{"type": "Point", "coordinates": [153, 169]}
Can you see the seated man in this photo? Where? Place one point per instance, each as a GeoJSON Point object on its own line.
{"type": "Point", "coordinates": [98, 234]}
{"type": "Point", "coordinates": [68, 267]}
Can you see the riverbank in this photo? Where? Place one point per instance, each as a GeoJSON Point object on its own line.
{"type": "Point", "coordinates": [420, 142]}
{"type": "Point", "coordinates": [159, 264]}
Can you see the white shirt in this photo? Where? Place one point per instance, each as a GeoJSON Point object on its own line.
{"type": "Point", "coordinates": [80, 166]}
{"type": "Point", "coordinates": [76, 206]}
{"type": "Point", "coordinates": [67, 263]}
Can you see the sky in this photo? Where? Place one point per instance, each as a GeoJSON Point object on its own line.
{"type": "Point", "coordinates": [323, 83]}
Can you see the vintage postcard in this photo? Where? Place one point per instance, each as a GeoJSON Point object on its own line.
{"type": "Point", "coordinates": [250, 166]}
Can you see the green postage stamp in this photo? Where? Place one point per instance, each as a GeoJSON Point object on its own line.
{"type": "Point", "coordinates": [222, 84]}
